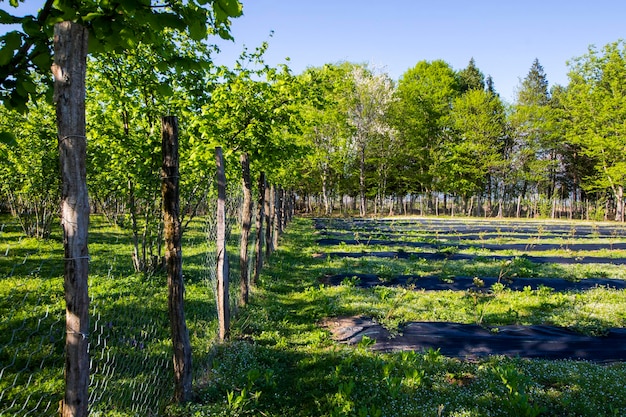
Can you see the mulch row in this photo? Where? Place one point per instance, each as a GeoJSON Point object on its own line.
{"type": "Point", "coordinates": [471, 341]}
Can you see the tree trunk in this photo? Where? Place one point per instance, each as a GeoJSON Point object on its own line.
{"type": "Point", "coordinates": [174, 260]}
{"type": "Point", "coordinates": [363, 202]}
{"type": "Point", "coordinates": [619, 204]}
{"type": "Point", "coordinates": [258, 246]}
{"type": "Point", "coordinates": [223, 303]}
{"type": "Point", "coordinates": [246, 220]}
{"type": "Point", "coordinates": [269, 215]}
{"type": "Point", "coordinates": [138, 261]}
{"type": "Point", "coordinates": [70, 55]}
{"type": "Point", "coordinates": [275, 216]}
{"type": "Point", "coordinates": [325, 194]}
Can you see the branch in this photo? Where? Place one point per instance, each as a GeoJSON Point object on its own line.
{"type": "Point", "coordinates": [21, 57]}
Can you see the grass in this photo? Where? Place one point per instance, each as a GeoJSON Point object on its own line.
{"type": "Point", "coordinates": [130, 347]}
{"type": "Point", "coordinates": [280, 361]}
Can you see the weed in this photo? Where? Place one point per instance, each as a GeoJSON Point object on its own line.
{"type": "Point", "coordinates": [352, 281]}
{"type": "Point", "coordinates": [517, 385]}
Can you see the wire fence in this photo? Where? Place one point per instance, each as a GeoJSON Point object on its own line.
{"type": "Point", "coordinates": [129, 345]}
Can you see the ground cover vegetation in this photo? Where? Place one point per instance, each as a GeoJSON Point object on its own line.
{"type": "Point", "coordinates": [343, 137]}
{"type": "Point", "coordinates": [288, 364]}
{"type": "Point", "coordinates": [280, 359]}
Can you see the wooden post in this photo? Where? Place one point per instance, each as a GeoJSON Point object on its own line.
{"type": "Point", "coordinates": [275, 192]}
{"type": "Point", "coordinates": [69, 68]}
{"type": "Point", "coordinates": [258, 247]}
{"type": "Point", "coordinates": [223, 303]}
{"type": "Point", "coordinates": [269, 215]}
{"type": "Point", "coordinates": [246, 220]}
{"type": "Point", "coordinates": [174, 260]}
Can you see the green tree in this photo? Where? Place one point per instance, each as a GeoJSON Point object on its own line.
{"type": "Point", "coordinates": [535, 152]}
{"type": "Point", "coordinates": [327, 130]}
{"type": "Point", "coordinates": [371, 97]}
{"type": "Point", "coordinates": [478, 120]}
{"type": "Point", "coordinates": [113, 26]}
{"type": "Point", "coordinates": [421, 116]}
{"type": "Point", "coordinates": [26, 52]}
{"type": "Point", "coordinates": [127, 95]}
{"type": "Point", "coordinates": [29, 173]}
{"type": "Point", "coordinates": [596, 108]}
{"type": "Point", "coordinates": [471, 78]}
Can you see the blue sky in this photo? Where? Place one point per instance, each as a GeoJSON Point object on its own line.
{"type": "Point", "coordinates": [503, 36]}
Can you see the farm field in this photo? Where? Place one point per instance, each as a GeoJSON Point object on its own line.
{"type": "Point", "coordinates": [287, 355]}
{"type": "Point", "coordinates": [293, 357]}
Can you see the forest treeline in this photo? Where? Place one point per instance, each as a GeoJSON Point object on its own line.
{"type": "Point", "coordinates": [343, 136]}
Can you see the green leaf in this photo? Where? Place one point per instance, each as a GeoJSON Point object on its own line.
{"type": "Point", "coordinates": [232, 7]}
{"type": "Point", "coordinates": [12, 40]}
{"type": "Point", "coordinates": [5, 55]}
{"type": "Point", "coordinates": [41, 57]}
{"type": "Point", "coordinates": [6, 18]}
{"type": "Point", "coordinates": [27, 85]}
{"type": "Point", "coordinates": [165, 90]}
{"type": "Point", "coordinates": [8, 139]}
{"type": "Point", "coordinates": [30, 26]}
{"type": "Point", "coordinates": [91, 16]}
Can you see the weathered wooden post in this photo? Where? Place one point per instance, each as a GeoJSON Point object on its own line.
{"type": "Point", "coordinates": [170, 192]}
{"type": "Point", "coordinates": [258, 247]}
{"type": "Point", "coordinates": [223, 303]}
{"type": "Point", "coordinates": [69, 68]}
{"type": "Point", "coordinates": [269, 215]}
{"type": "Point", "coordinates": [246, 220]}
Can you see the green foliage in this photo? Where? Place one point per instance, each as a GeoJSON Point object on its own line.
{"type": "Point", "coordinates": [29, 172]}
{"type": "Point", "coordinates": [595, 99]}
{"type": "Point", "coordinates": [421, 116]}
{"type": "Point", "coordinates": [253, 108]}
{"type": "Point", "coordinates": [112, 26]}
{"type": "Point", "coordinates": [517, 386]}
{"type": "Point", "coordinates": [475, 152]}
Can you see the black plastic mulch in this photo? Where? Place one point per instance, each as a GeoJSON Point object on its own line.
{"type": "Point", "coordinates": [469, 341]}
{"type": "Point", "coordinates": [456, 226]}
{"type": "Point", "coordinates": [533, 247]}
{"type": "Point", "coordinates": [434, 283]}
{"type": "Point", "coordinates": [440, 256]}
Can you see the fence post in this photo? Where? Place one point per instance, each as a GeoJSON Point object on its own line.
{"type": "Point", "coordinates": [246, 220]}
{"type": "Point", "coordinates": [223, 303]}
{"type": "Point", "coordinates": [69, 68]}
{"type": "Point", "coordinates": [174, 260]}
{"type": "Point", "coordinates": [258, 247]}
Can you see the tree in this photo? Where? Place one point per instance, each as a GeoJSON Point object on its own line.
{"type": "Point", "coordinates": [471, 78]}
{"type": "Point", "coordinates": [251, 113]}
{"type": "Point", "coordinates": [371, 96]}
{"type": "Point", "coordinates": [535, 152]}
{"type": "Point", "coordinates": [596, 108]}
{"type": "Point", "coordinates": [128, 93]}
{"type": "Point", "coordinates": [326, 129]}
{"type": "Point", "coordinates": [478, 120]}
{"type": "Point", "coordinates": [28, 52]}
{"type": "Point", "coordinates": [29, 181]}
{"type": "Point", "coordinates": [421, 115]}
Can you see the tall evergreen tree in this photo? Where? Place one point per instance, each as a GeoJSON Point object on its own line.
{"type": "Point", "coordinates": [534, 89]}
{"type": "Point", "coordinates": [471, 78]}
{"type": "Point", "coordinates": [534, 157]}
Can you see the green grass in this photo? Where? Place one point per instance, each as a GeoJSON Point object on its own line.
{"type": "Point", "coordinates": [280, 361]}
{"type": "Point", "coordinates": [130, 347]}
